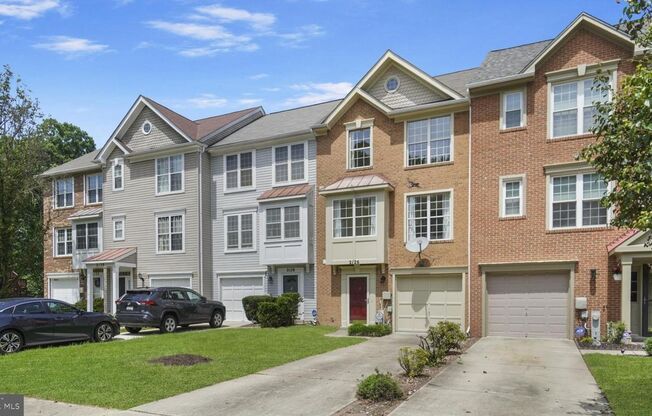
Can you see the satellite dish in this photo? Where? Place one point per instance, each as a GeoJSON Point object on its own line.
{"type": "Point", "coordinates": [417, 245]}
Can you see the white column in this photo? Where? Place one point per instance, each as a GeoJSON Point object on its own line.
{"type": "Point", "coordinates": [89, 288]}
{"type": "Point", "coordinates": [625, 294]}
{"type": "Point", "coordinates": [114, 287]}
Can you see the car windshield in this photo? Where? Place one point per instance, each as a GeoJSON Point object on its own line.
{"type": "Point", "coordinates": [137, 295]}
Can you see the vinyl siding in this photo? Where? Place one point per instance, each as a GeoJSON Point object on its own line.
{"type": "Point", "coordinates": [410, 92]}
{"type": "Point", "coordinates": [207, 235]}
{"type": "Point", "coordinates": [161, 135]}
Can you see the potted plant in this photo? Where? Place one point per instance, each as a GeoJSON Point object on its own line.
{"type": "Point", "coordinates": [617, 272]}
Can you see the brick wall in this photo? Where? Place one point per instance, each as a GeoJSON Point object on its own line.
{"type": "Point", "coordinates": [388, 160]}
{"type": "Point", "coordinates": [526, 151]}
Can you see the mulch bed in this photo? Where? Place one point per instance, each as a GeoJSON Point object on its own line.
{"type": "Point", "coordinates": [408, 385]}
{"type": "Point", "coordinates": [605, 346]}
{"type": "Point", "coordinates": [181, 359]}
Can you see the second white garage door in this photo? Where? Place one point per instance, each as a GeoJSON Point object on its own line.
{"type": "Point", "coordinates": [177, 281]}
{"type": "Point", "coordinates": [65, 289]}
{"type": "Point", "coordinates": [534, 306]}
{"type": "Point", "coordinates": [422, 301]}
{"type": "Point", "coordinates": [233, 289]}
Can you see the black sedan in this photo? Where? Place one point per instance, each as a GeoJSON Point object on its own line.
{"type": "Point", "coordinates": [35, 321]}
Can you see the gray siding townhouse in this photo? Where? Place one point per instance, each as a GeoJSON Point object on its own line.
{"type": "Point", "coordinates": [263, 205]}
{"type": "Point", "coordinates": [154, 220]}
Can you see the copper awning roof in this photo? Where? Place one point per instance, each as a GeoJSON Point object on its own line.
{"type": "Point", "coordinates": [283, 192]}
{"type": "Point", "coordinates": [111, 255]}
{"type": "Point", "coordinates": [362, 182]}
{"type": "Point", "coordinates": [86, 213]}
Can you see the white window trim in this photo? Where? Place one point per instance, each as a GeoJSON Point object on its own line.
{"type": "Point", "coordinates": [354, 236]}
{"type": "Point", "coordinates": [118, 161]}
{"type": "Point", "coordinates": [501, 192]}
{"type": "Point", "coordinates": [117, 218]}
{"type": "Point", "coordinates": [282, 239]}
{"type": "Point", "coordinates": [357, 125]}
{"type": "Point", "coordinates": [183, 175]}
{"type": "Point", "coordinates": [86, 189]}
{"type": "Point", "coordinates": [254, 239]}
{"type": "Point", "coordinates": [579, 187]}
{"type": "Point", "coordinates": [183, 231]}
{"type": "Point", "coordinates": [566, 79]}
{"type": "Point", "coordinates": [282, 272]}
{"type": "Point", "coordinates": [405, 143]}
{"type": "Point", "coordinates": [54, 193]}
{"type": "Point", "coordinates": [289, 164]}
{"type": "Point", "coordinates": [406, 196]}
{"type": "Point", "coordinates": [142, 127]}
{"type": "Point", "coordinates": [55, 242]}
{"type": "Point", "coordinates": [99, 235]}
{"type": "Point", "coordinates": [253, 172]}
{"type": "Point", "coordinates": [398, 83]}
{"type": "Point", "coordinates": [503, 108]}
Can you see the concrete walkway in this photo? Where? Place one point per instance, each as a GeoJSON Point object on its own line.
{"type": "Point", "coordinates": [508, 376]}
{"type": "Point", "coordinates": [315, 386]}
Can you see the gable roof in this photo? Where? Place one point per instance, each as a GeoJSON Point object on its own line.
{"type": "Point", "coordinates": [194, 131]}
{"type": "Point", "coordinates": [81, 164]}
{"type": "Point", "coordinates": [290, 122]}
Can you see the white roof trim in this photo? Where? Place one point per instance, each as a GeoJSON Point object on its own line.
{"type": "Point", "coordinates": [389, 56]}
{"type": "Point", "coordinates": [582, 18]}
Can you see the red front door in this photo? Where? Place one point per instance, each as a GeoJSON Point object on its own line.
{"type": "Point", "coordinates": [357, 299]}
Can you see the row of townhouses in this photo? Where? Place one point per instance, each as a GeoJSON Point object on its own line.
{"type": "Point", "coordinates": [480, 164]}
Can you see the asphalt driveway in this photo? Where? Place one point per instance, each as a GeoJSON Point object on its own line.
{"type": "Point", "coordinates": [509, 376]}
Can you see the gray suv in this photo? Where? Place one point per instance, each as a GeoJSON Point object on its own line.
{"type": "Point", "coordinates": [167, 308]}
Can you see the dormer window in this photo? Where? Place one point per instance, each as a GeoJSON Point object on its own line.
{"type": "Point", "coordinates": [147, 127]}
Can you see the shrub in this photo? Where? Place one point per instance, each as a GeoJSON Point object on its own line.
{"type": "Point", "coordinates": [269, 315]}
{"type": "Point", "coordinates": [440, 340]}
{"type": "Point", "coordinates": [98, 305]}
{"type": "Point", "coordinates": [279, 311]}
{"type": "Point", "coordinates": [379, 387]}
{"type": "Point", "coordinates": [250, 305]}
{"type": "Point", "coordinates": [412, 361]}
{"type": "Point", "coordinates": [585, 340]}
{"type": "Point", "coordinates": [648, 346]}
{"type": "Point", "coordinates": [615, 332]}
{"type": "Point", "coordinates": [288, 304]}
{"type": "Point", "coordinates": [373, 330]}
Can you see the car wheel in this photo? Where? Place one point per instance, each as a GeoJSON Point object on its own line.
{"type": "Point", "coordinates": [216, 320]}
{"type": "Point", "coordinates": [104, 332]}
{"type": "Point", "coordinates": [168, 324]}
{"type": "Point", "coordinates": [10, 341]}
{"type": "Point", "coordinates": [132, 329]}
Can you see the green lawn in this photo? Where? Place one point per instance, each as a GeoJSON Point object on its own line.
{"type": "Point", "coordinates": [626, 381]}
{"type": "Point", "coordinates": [117, 374]}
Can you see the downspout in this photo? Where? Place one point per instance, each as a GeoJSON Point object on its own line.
{"type": "Point", "coordinates": [468, 226]}
{"type": "Point", "coordinates": [200, 217]}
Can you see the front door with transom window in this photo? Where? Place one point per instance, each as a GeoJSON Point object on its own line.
{"type": "Point", "coordinates": [358, 299]}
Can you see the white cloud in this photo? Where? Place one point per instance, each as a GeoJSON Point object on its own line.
{"type": "Point", "coordinates": [272, 89]}
{"type": "Point", "coordinates": [28, 9]}
{"type": "Point", "coordinates": [301, 35]}
{"type": "Point", "coordinates": [207, 101]}
{"type": "Point", "coordinates": [259, 21]}
{"type": "Point", "coordinates": [256, 77]}
{"type": "Point", "coordinates": [250, 101]}
{"type": "Point", "coordinates": [319, 92]}
{"type": "Point", "coordinates": [71, 47]}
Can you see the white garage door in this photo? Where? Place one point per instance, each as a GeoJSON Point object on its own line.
{"type": "Point", "coordinates": [179, 281]}
{"type": "Point", "coordinates": [233, 289]}
{"type": "Point", "coordinates": [422, 301]}
{"type": "Point", "coordinates": [65, 289]}
{"type": "Point", "coordinates": [534, 306]}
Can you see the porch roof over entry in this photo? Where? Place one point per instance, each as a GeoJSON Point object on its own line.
{"type": "Point", "coordinates": [111, 256]}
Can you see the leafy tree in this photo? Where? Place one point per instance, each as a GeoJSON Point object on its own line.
{"type": "Point", "coordinates": [64, 141]}
{"type": "Point", "coordinates": [623, 150]}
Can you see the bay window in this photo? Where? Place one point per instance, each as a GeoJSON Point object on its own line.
{"type": "Point", "coordinates": [355, 217]}
{"type": "Point", "coordinates": [87, 236]}
{"type": "Point", "coordinates": [283, 222]}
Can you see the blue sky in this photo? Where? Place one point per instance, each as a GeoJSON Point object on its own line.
{"type": "Point", "coordinates": [87, 60]}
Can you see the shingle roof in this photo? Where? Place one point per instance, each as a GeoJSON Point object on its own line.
{"type": "Point", "coordinates": [285, 122]}
{"type": "Point", "coordinates": [198, 129]}
{"type": "Point", "coordinates": [459, 79]}
{"type": "Point", "coordinates": [621, 239]}
{"type": "Point", "coordinates": [285, 192]}
{"type": "Point", "coordinates": [85, 213]}
{"type": "Point", "coordinates": [80, 164]}
{"type": "Point", "coordinates": [361, 181]}
{"type": "Point", "coordinates": [111, 255]}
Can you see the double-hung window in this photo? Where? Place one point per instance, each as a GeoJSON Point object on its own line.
{"type": "Point", "coordinates": [118, 174]}
{"type": "Point", "coordinates": [94, 189]}
{"type": "Point", "coordinates": [239, 169]}
{"type": "Point", "coordinates": [169, 174]}
{"type": "Point", "coordinates": [240, 231]}
{"type": "Point", "coordinates": [290, 164]}
{"type": "Point", "coordinates": [63, 242]}
{"type": "Point", "coordinates": [118, 228]}
{"type": "Point", "coordinates": [429, 215]}
{"type": "Point", "coordinates": [576, 201]}
{"type": "Point", "coordinates": [170, 229]}
{"type": "Point", "coordinates": [359, 148]}
{"type": "Point", "coordinates": [64, 193]}
{"type": "Point", "coordinates": [87, 236]}
{"type": "Point", "coordinates": [512, 197]}
{"type": "Point", "coordinates": [513, 110]}
{"type": "Point", "coordinates": [355, 217]}
{"type": "Point", "coordinates": [573, 106]}
{"type": "Point", "coordinates": [429, 141]}
{"type": "Point", "coordinates": [283, 222]}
